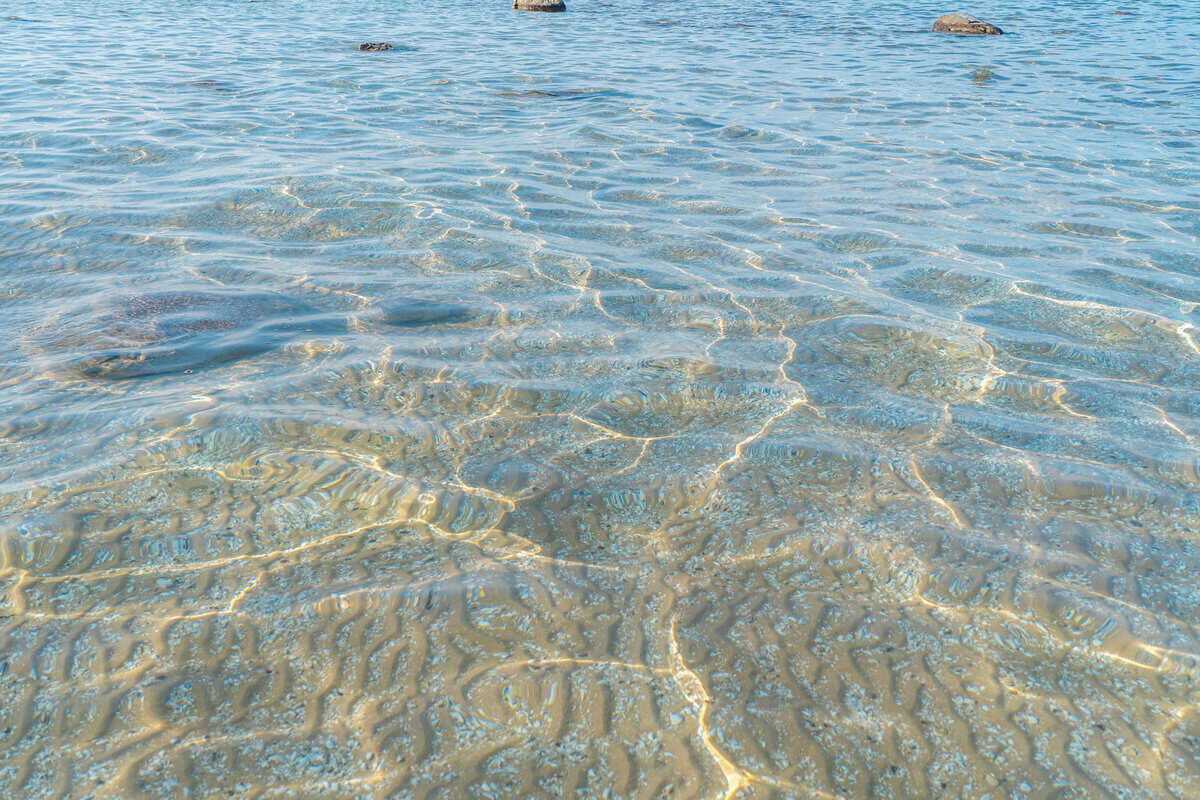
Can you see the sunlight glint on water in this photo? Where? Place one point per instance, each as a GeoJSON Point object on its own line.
{"type": "Point", "coordinates": [684, 401]}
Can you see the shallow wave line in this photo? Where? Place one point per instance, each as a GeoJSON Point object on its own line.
{"type": "Point", "coordinates": [1161, 653]}
{"type": "Point", "coordinates": [692, 689]}
{"type": "Point", "coordinates": [1187, 337]}
{"type": "Point", "coordinates": [216, 563]}
{"type": "Point", "coordinates": [1167, 421]}
{"type": "Point", "coordinates": [1016, 287]}
{"type": "Point", "coordinates": [1057, 397]}
{"type": "Point", "coordinates": [582, 662]}
{"type": "Point", "coordinates": [720, 337]}
{"type": "Point", "coordinates": [937, 498]}
{"type": "Point", "coordinates": [633, 464]}
{"type": "Point", "coordinates": [554, 560]}
{"type": "Point", "coordinates": [609, 432]}
{"type": "Point", "coordinates": [229, 610]}
{"type": "Point", "coordinates": [740, 446]}
{"type": "Point", "coordinates": [1156, 615]}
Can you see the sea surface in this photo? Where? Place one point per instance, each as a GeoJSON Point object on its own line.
{"type": "Point", "coordinates": [680, 400]}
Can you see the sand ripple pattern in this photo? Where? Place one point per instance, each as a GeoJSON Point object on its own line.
{"type": "Point", "coordinates": [634, 402]}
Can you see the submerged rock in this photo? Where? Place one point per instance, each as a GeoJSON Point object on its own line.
{"type": "Point", "coordinates": [415, 313]}
{"type": "Point", "coordinates": [539, 5]}
{"type": "Point", "coordinates": [178, 332]}
{"type": "Point", "coordinates": [162, 333]}
{"type": "Point", "coordinates": [963, 23]}
{"type": "Point", "coordinates": [561, 94]}
{"type": "Point", "coordinates": [374, 46]}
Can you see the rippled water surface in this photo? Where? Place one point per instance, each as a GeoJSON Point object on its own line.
{"type": "Point", "coordinates": [694, 400]}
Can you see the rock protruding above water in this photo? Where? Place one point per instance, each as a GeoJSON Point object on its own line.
{"type": "Point", "coordinates": [539, 5]}
{"type": "Point", "coordinates": [964, 23]}
{"type": "Point", "coordinates": [375, 47]}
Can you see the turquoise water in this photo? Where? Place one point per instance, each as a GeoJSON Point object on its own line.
{"type": "Point", "coordinates": [704, 400]}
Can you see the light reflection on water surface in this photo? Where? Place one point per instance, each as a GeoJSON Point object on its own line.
{"type": "Point", "coordinates": [637, 401]}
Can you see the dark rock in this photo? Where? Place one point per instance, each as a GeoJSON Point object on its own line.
{"type": "Point", "coordinates": [189, 330]}
{"type": "Point", "coordinates": [374, 46]}
{"type": "Point", "coordinates": [539, 5]}
{"type": "Point", "coordinates": [417, 313]}
{"type": "Point", "coordinates": [560, 94]}
{"type": "Point", "coordinates": [982, 75]}
{"type": "Point", "coordinates": [216, 86]}
{"type": "Point", "coordinates": [165, 333]}
{"type": "Point", "coordinates": [963, 23]}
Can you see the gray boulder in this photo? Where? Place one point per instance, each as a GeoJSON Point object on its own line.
{"type": "Point", "coordinates": [539, 5]}
{"type": "Point", "coordinates": [964, 23]}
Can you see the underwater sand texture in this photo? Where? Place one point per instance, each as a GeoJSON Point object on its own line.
{"type": "Point", "coordinates": [778, 410]}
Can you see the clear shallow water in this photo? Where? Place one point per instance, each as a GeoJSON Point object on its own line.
{"type": "Point", "coordinates": [690, 401]}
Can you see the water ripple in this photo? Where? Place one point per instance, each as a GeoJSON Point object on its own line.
{"type": "Point", "coordinates": [800, 404]}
